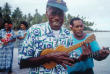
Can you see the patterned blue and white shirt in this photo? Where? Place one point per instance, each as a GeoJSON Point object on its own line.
{"type": "Point", "coordinates": [39, 37]}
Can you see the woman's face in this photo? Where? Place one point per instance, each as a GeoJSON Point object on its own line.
{"type": "Point", "coordinates": [7, 26]}
{"type": "Point", "coordinates": [23, 26]}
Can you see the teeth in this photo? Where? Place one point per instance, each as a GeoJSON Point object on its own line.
{"type": "Point", "coordinates": [56, 23]}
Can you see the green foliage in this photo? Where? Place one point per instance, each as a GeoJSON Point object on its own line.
{"type": "Point", "coordinates": [29, 19]}
{"type": "Point", "coordinates": [6, 9]}
{"type": "Point", "coordinates": [16, 18]}
{"type": "Point", "coordinates": [37, 18]}
{"type": "Point", "coordinates": [44, 18]}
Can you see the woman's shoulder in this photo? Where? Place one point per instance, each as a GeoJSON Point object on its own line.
{"type": "Point", "coordinates": [2, 29]}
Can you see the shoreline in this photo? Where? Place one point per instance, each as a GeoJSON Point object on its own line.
{"type": "Point", "coordinates": [71, 31]}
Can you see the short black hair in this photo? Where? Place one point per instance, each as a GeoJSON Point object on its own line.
{"type": "Point", "coordinates": [25, 23]}
{"type": "Point", "coordinates": [74, 19]}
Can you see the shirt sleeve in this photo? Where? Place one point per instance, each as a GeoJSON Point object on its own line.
{"type": "Point", "coordinates": [95, 46]}
{"type": "Point", "coordinates": [0, 36]}
{"type": "Point", "coordinates": [14, 35]}
{"type": "Point", "coordinates": [29, 46]}
{"type": "Point", "coordinates": [19, 34]}
{"type": "Point", "coordinates": [0, 33]}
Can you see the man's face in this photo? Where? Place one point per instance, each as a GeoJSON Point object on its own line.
{"type": "Point", "coordinates": [78, 28]}
{"type": "Point", "coordinates": [55, 17]}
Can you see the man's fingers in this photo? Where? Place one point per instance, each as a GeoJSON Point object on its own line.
{"type": "Point", "coordinates": [67, 63]}
{"type": "Point", "coordinates": [104, 52]}
{"type": "Point", "coordinates": [85, 46]}
{"type": "Point", "coordinates": [87, 49]}
{"type": "Point", "coordinates": [82, 48]}
{"type": "Point", "coordinates": [67, 59]}
{"type": "Point", "coordinates": [63, 54]}
{"type": "Point", "coordinates": [63, 65]}
{"type": "Point", "coordinates": [89, 46]}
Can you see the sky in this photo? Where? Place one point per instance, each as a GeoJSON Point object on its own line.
{"type": "Point", "coordinates": [97, 11]}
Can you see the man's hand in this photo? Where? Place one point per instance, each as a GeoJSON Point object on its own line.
{"type": "Point", "coordinates": [61, 58]}
{"type": "Point", "coordinates": [86, 50]}
{"type": "Point", "coordinates": [102, 55]}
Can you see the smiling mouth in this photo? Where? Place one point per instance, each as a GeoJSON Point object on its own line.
{"type": "Point", "coordinates": [56, 23]}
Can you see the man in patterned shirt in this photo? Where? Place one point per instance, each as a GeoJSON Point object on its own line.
{"type": "Point", "coordinates": [48, 35]}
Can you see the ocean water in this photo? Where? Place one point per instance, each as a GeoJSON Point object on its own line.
{"type": "Point", "coordinates": [102, 67]}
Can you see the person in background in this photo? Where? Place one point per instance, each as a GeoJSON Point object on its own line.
{"type": "Point", "coordinates": [0, 28]}
{"type": "Point", "coordinates": [86, 66]}
{"type": "Point", "coordinates": [49, 35]}
{"type": "Point", "coordinates": [1, 21]}
{"type": "Point", "coordinates": [21, 35]}
{"type": "Point", "coordinates": [8, 37]}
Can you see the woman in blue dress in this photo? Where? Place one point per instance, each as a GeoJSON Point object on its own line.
{"type": "Point", "coordinates": [6, 52]}
{"type": "Point", "coordinates": [0, 28]}
{"type": "Point", "coordinates": [21, 36]}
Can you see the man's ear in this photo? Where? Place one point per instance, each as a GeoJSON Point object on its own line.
{"type": "Point", "coordinates": [46, 13]}
{"type": "Point", "coordinates": [71, 27]}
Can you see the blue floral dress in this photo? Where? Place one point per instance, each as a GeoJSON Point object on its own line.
{"type": "Point", "coordinates": [20, 42]}
{"type": "Point", "coordinates": [6, 52]}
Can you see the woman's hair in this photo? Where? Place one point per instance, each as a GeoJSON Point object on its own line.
{"type": "Point", "coordinates": [1, 21]}
{"type": "Point", "coordinates": [0, 15]}
{"type": "Point", "coordinates": [7, 21]}
{"type": "Point", "coordinates": [25, 23]}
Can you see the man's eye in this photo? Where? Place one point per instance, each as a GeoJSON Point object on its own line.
{"type": "Point", "coordinates": [81, 26]}
{"type": "Point", "coordinates": [54, 13]}
{"type": "Point", "coordinates": [77, 26]}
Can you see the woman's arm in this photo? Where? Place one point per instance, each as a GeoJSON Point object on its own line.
{"type": "Point", "coordinates": [22, 37]}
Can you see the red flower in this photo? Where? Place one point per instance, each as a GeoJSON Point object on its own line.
{"type": "Point", "coordinates": [7, 38]}
{"type": "Point", "coordinates": [3, 40]}
{"type": "Point", "coordinates": [9, 35]}
{"type": "Point", "coordinates": [10, 25]}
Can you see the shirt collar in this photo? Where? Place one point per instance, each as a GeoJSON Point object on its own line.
{"type": "Point", "coordinates": [49, 28]}
{"type": "Point", "coordinates": [9, 30]}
